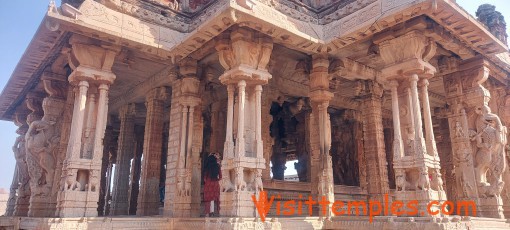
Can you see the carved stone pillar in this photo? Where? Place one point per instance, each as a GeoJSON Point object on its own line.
{"type": "Point", "coordinates": [184, 166]}
{"type": "Point", "coordinates": [79, 191]}
{"type": "Point", "coordinates": [398, 148]}
{"type": "Point", "coordinates": [136, 170]}
{"type": "Point", "coordinates": [110, 146]}
{"type": "Point", "coordinates": [417, 168]}
{"type": "Point", "coordinates": [148, 197]}
{"type": "Point", "coordinates": [244, 54]}
{"type": "Point", "coordinates": [373, 137]}
{"type": "Point", "coordinates": [478, 139]}
{"type": "Point", "coordinates": [427, 115]}
{"type": "Point", "coordinates": [125, 151]}
{"type": "Point", "coordinates": [19, 194]}
{"type": "Point", "coordinates": [42, 146]}
{"type": "Point", "coordinates": [320, 133]}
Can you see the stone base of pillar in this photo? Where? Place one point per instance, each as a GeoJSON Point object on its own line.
{"type": "Point", "coordinates": [506, 209]}
{"type": "Point", "coordinates": [491, 207]}
{"type": "Point", "coordinates": [119, 209]}
{"type": "Point", "coordinates": [238, 204]}
{"type": "Point", "coordinates": [41, 207]}
{"type": "Point", "coordinates": [182, 207]}
{"type": "Point", "coordinates": [80, 196]}
{"type": "Point", "coordinates": [22, 206]}
{"type": "Point", "coordinates": [79, 204]}
{"type": "Point", "coordinates": [424, 197]}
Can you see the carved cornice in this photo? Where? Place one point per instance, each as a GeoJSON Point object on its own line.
{"type": "Point", "coordinates": [352, 70]}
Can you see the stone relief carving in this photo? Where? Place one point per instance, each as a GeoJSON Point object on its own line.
{"type": "Point", "coordinates": [400, 180]}
{"type": "Point", "coordinates": [41, 141]}
{"type": "Point", "coordinates": [423, 182]}
{"type": "Point", "coordinates": [257, 182]}
{"type": "Point", "coordinates": [240, 184]}
{"type": "Point", "coordinates": [437, 180]}
{"type": "Point", "coordinates": [226, 184]}
{"type": "Point", "coordinates": [23, 187]}
{"type": "Point", "coordinates": [490, 138]}
{"type": "Point", "coordinates": [70, 180]}
{"type": "Point", "coordinates": [459, 130]}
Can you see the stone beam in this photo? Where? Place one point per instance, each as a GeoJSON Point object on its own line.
{"type": "Point", "coordinates": [163, 78]}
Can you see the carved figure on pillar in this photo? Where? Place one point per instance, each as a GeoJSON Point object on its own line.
{"type": "Point", "coordinates": [19, 197]}
{"type": "Point", "coordinates": [491, 141]}
{"type": "Point", "coordinates": [42, 138]}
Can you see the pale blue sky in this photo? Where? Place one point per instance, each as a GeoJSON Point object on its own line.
{"type": "Point", "coordinates": [18, 23]}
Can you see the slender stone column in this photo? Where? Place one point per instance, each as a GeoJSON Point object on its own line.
{"type": "Point", "coordinates": [102, 111]}
{"type": "Point", "coordinates": [258, 121]}
{"type": "Point", "coordinates": [430, 139]}
{"type": "Point", "coordinates": [240, 142]}
{"type": "Point", "coordinates": [398, 148]}
{"type": "Point", "coordinates": [229, 144]}
{"type": "Point", "coordinates": [125, 151]}
{"type": "Point", "coordinates": [418, 125]}
{"type": "Point", "coordinates": [320, 133]}
{"type": "Point", "coordinates": [80, 102]}
{"type": "Point", "coordinates": [135, 171]}
{"type": "Point", "coordinates": [148, 198]}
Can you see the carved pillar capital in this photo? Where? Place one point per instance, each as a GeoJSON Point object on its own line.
{"type": "Point", "coordinates": [159, 93]}
{"type": "Point", "coordinates": [90, 61]}
{"type": "Point", "coordinates": [244, 54]}
{"type": "Point", "coordinates": [407, 54]}
{"type": "Point", "coordinates": [466, 85]}
{"type": "Point", "coordinates": [370, 89]}
{"type": "Point", "coordinates": [127, 111]}
{"type": "Point", "coordinates": [319, 79]}
{"type": "Point", "coordinates": [55, 85]}
{"type": "Point", "coordinates": [188, 67]}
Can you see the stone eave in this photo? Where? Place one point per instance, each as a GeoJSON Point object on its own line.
{"type": "Point", "coordinates": [310, 38]}
{"type": "Point", "coordinates": [41, 51]}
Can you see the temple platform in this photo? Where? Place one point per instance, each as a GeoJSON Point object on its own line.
{"type": "Point", "coordinates": [295, 223]}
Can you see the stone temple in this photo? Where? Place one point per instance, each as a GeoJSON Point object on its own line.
{"type": "Point", "coordinates": [119, 101]}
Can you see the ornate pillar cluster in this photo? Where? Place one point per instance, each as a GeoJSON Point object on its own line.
{"type": "Point", "coordinates": [377, 183]}
{"type": "Point", "coordinates": [148, 197]}
{"type": "Point", "coordinates": [91, 77]}
{"type": "Point", "coordinates": [125, 152]}
{"type": "Point", "coordinates": [185, 145]}
{"type": "Point", "coordinates": [244, 54]}
{"type": "Point", "coordinates": [416, 161]}
{"type": "Point", "coordinates": [478, 139]}
{"type": "Point", "coordinates": [322, 184]}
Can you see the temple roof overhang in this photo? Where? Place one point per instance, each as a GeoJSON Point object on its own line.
{"type": "Point", "coordinates": [169, 39]}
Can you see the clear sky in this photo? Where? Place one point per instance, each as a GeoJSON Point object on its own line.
{"type": "Point", "coordinates": [18, 22]}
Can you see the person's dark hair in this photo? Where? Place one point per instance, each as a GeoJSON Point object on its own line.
{"type": "Point", "coordinates": [212, 167]}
